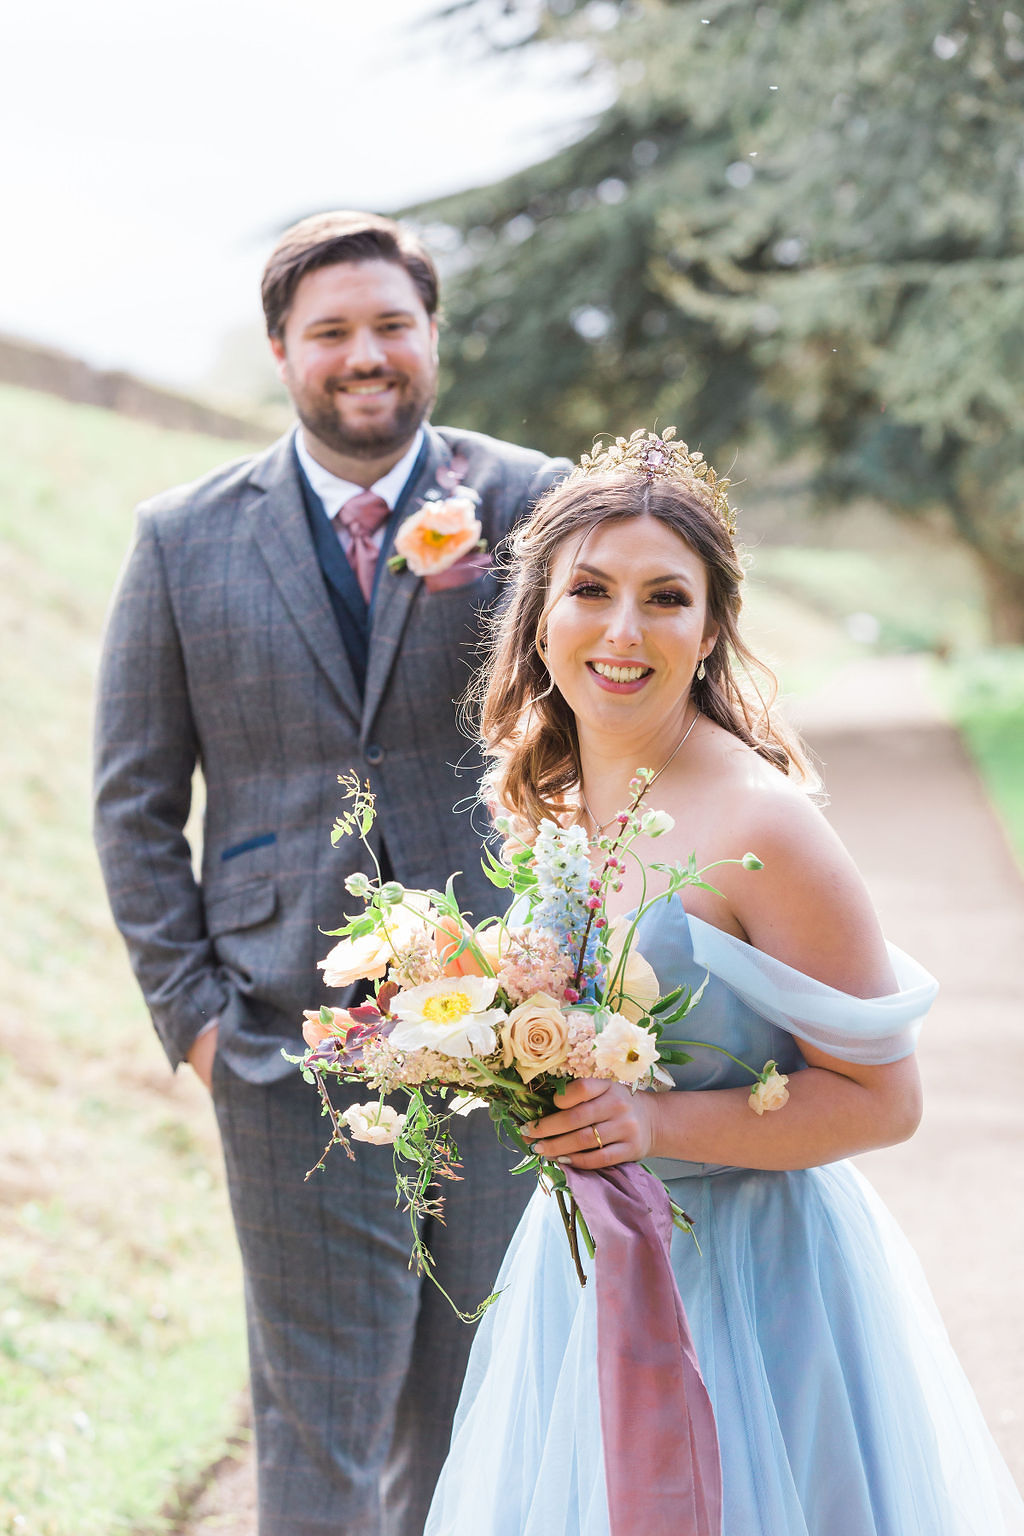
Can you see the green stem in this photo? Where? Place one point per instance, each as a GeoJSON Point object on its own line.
{"type": "Point", "coordinates": [338, 1137]}
{"type": "Point", "coordinates": [644, 906]}
{"type": "Point", "coordinates": [704, 1045]}
{"type": "Point", "coordinates": [616, 847]}
{"type": "Point", "coordinates": [581, 1222]}
{"type": "Point", "coordinates": [569, 1223]}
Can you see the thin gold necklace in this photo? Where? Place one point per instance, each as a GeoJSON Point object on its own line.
{"type": "Point", "coordinates": [603, 827]}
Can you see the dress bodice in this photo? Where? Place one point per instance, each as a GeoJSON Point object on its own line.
{"type": "Point", "coordinates": [758, 1009]}
{"type": "Point", "coordinates": [721, 1017]}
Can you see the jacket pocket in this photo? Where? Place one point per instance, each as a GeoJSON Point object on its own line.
{"type": "Point", "coordinates": [244, 905]}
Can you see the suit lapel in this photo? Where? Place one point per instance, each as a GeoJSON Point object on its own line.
{"type": "Point", "coordinates": [395, 590]}
{"type": "Point", "coordinates": [281, 531]}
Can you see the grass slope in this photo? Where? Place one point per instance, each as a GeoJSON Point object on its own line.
{"type": "Point", "coordinates": [121, 1347]}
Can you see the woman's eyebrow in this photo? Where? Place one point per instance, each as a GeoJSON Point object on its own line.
{"type": "Point", "coordinates": [655, 581]}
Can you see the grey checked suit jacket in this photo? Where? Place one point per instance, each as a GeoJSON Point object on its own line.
{"type": "Point", "coordinates": [222, 650]}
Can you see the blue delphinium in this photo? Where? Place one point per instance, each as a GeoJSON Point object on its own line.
{"type": "Point", "coordinates": [563, 872]}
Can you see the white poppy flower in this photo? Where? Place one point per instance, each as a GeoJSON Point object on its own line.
{"type": "Point", "coordinates": [451, 1015]}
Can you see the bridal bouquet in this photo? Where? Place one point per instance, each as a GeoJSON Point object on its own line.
{"type": "Point", "coordinates": [503, 1013]}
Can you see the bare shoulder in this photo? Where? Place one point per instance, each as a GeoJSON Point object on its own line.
{"type": "Point", "coordinates": [808, 906]}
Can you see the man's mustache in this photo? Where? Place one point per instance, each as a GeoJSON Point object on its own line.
{"type": "Point", "coordinates": [386, 375]}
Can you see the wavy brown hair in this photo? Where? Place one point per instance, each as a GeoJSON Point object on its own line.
{"type": "Point", "coordinates": [527, 729]}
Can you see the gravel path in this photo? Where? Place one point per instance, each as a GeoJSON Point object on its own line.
{"type": "Point", "coordinates": [907, 803]}
{"type": "Point", "coordinates": [909, 806]}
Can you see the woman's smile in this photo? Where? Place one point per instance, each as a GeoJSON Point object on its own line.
{"type": "Point", "coordinates": [618, 677]}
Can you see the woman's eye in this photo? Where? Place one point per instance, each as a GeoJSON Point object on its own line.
{"type": "Point", "coordinates": [671, 599]}
{"type": "Point", "coordinates": [586, 589]}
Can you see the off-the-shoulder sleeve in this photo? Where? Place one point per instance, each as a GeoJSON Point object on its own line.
{"type": "Point", "coordinates": [872, 1031]}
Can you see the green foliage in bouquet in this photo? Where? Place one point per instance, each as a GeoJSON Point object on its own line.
{"type": "Point", "coordinates": [503, 1014]}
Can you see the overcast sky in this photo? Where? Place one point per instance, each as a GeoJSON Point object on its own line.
{"type": "Point", "coordinates": [153, 150]}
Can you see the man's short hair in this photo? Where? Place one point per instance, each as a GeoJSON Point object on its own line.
{"type": "Point", "coordinates": [325, 239]}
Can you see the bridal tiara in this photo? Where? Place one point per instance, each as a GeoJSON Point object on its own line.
{"type": "Point", "coordinates": [661, 458]}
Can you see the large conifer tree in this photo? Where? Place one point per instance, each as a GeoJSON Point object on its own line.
{"type": "Point", "coordinates": [803, 220]}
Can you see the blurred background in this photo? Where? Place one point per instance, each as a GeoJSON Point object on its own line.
{"type": "Point", "coordinates": [793, 230]}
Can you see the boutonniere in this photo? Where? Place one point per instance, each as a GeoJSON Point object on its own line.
{"type": "Point", "coordinates": [444, 531]}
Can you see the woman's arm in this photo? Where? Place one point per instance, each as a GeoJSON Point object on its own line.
{"type": "Point", "coordinates": [836, 1109]}
{"type": "Point", "coordinates": [808, 908]}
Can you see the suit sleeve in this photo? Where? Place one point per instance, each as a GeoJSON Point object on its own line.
{"type": "Point", "coordinates": [522, 503]}
{"type": "Point", "coordinates": [549, 474]}
{"type": "Point", "coordinates": [145, 755]}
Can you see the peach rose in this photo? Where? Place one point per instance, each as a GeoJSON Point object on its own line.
{"type": "Point", "coordinates": [536, 1037]}
{"type": "Point", "coordinates": [364, 959]}
{"type": "Point", "coordinates": [440, 533]}
{"type": "Point", "coordinates": [367, 958]}
{"type": "Point", "coordinates": [637, 990]}
{"type": "Point", "coordinates": [770, 1091]}
{"type": "Point", "coordinates": [448, 936]}
{"type": "Point", "coordinates": [314, 1031]}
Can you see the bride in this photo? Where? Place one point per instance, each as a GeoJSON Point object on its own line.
{"type": "Point", "coordinates": [839, 1407]}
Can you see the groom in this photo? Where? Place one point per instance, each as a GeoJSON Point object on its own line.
{"type": "Point", "coordinates": [259, 632]}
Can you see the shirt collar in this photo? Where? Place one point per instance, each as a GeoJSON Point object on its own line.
{"type": "Point", "coordinates": [334, 492]}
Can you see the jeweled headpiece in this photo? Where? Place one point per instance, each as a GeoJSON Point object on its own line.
{"type": "Point", "coordinates": [661, 458]}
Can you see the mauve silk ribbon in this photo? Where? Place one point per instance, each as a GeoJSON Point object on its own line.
{"type": "Point", "coordinates": [662, 1466]}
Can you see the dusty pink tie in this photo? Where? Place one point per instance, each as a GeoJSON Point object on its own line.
{"type": "Point", "coordinates": [360, 517]}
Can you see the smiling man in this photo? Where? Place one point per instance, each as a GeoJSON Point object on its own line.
{"type": "Point", "coordinates": [260, 634]}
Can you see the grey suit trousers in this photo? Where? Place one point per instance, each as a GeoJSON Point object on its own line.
{"type": "Point", "coordinates": [341, 1332]}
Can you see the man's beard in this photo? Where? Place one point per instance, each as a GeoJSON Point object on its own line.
{"type": "Point", "coordinates": [372, 441]}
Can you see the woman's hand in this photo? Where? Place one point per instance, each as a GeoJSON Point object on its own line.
{"type": "Point", "coordinates": [597, 1124]}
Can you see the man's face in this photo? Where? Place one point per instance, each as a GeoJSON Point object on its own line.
{"type": "Point", "coordinates": [359, 357]}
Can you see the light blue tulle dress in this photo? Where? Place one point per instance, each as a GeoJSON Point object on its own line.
{"type": "Point", "coordinates": [841, 1408]}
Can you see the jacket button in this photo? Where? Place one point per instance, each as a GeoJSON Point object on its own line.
{"type": "Point", "coordinates": [374, 754]}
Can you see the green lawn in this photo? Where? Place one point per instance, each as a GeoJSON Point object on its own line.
{"type": "Point", "coordinates": [121, 1345]}
{"type": "Point", "coordinates": [984, 691]}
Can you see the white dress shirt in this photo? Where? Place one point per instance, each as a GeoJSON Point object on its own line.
{"type": "Point", "coordinates": [334, 492]}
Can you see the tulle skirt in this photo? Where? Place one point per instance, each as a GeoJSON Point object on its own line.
{"type": "Point", "coordinates": [841, 1408]}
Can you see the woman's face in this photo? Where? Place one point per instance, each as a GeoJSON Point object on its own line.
{"type": "Point", "coordinates": [629, 626]}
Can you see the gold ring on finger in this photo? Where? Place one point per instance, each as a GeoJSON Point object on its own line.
{"type": "Point", "coordinates": [597, 1137]}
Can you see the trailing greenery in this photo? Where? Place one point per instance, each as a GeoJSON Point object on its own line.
{"type": "Point", "coordinates": [984, 691]}
{"type": "Point", "coordinates": [121, 1339]}
{"type": "Point", "coordinates": [798, 220]}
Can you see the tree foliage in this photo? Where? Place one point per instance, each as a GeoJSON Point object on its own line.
{"type": "Point", "coordinates": [803, 220]}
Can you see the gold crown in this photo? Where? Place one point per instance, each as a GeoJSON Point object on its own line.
{"type": "Point", "coordinates": [660, 458]}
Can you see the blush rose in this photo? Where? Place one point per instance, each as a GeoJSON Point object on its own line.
{"type": "Point", "coordinates": [376, 1123]}
{"type": "Point", "coordinates": [770, 1092]}
{"type": "Point", "coordinates": [535, 1037]}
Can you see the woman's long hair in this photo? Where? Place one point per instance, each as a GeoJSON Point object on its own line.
{"type": "Point", "coordinates": [527, 729]}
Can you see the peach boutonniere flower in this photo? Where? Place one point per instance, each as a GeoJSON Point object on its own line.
{"type": "Point", "coordinates": [441, 533]}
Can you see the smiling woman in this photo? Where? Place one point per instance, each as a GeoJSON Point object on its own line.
{"type": "Point", "coordinates": [617, 662]}
{"type": "Point", "coordinates": [625, 591]}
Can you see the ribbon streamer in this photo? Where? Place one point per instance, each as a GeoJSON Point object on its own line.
{"type": "Point", "coordinates": [662, 1465]}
